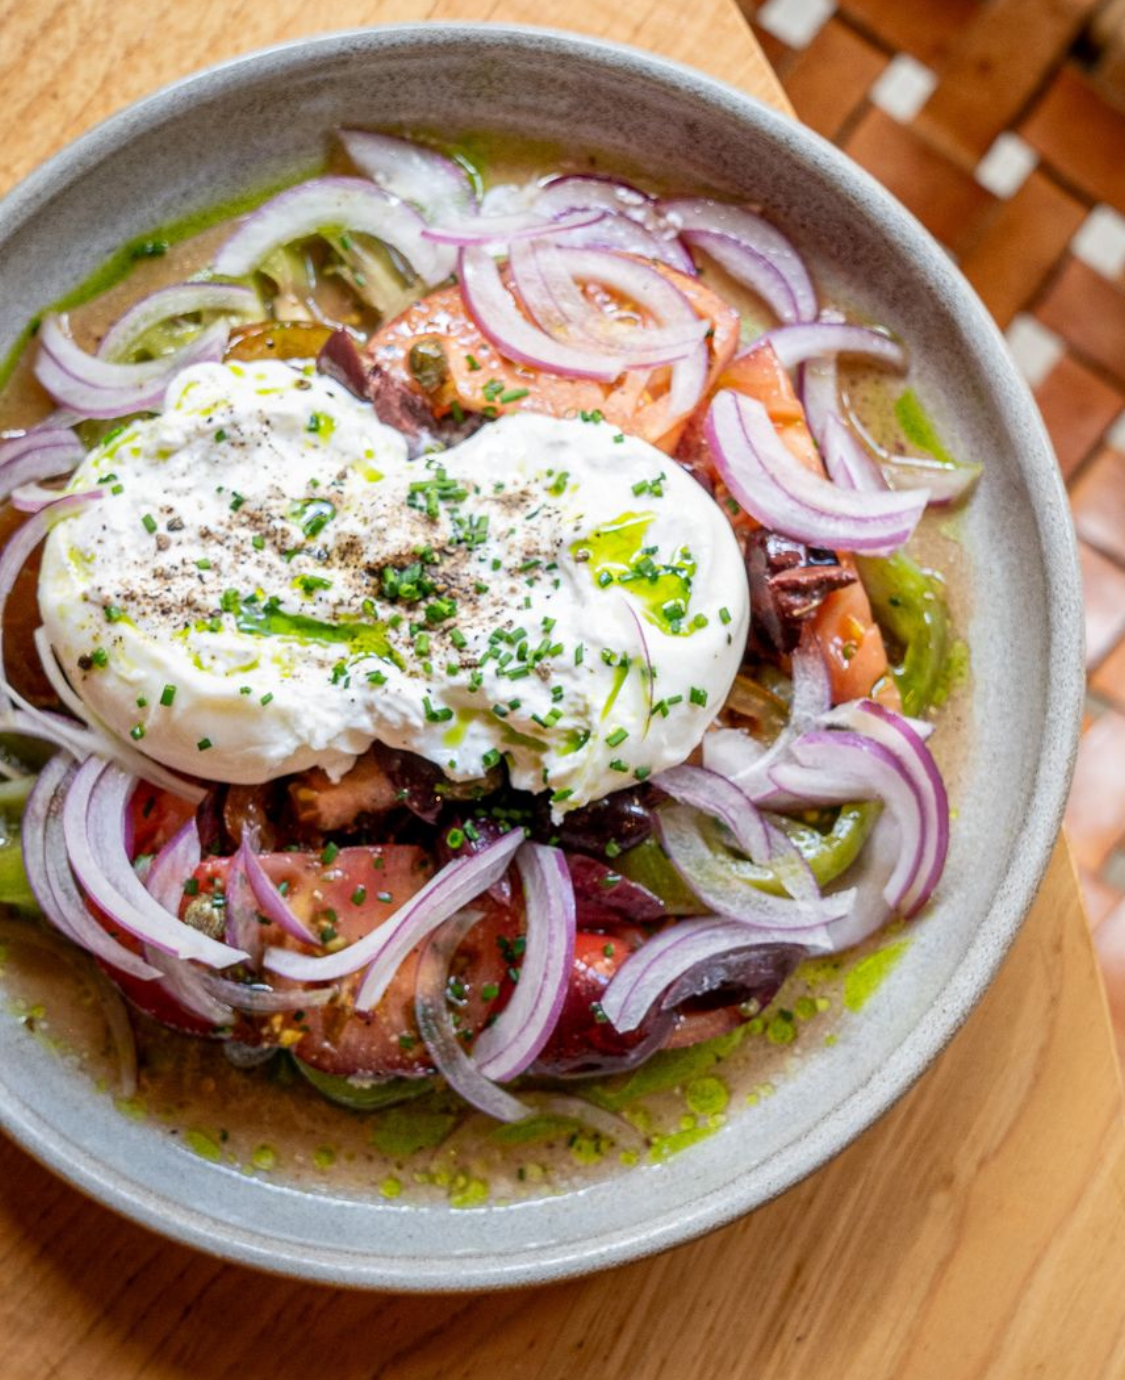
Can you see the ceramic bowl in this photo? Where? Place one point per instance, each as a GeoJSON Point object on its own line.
{"type": "Point", "coordinates": [262, 118]}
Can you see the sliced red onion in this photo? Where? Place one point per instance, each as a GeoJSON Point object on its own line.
{"type": "Point", "coordinates": [625, 236]}
{"type": "Point", "coordinates": [383, 950]}
{"type": "Point", "coordinates": [945, 485]}
{"type": "Point", "coordinates": [181, 299]}
{"type": "Point", "coordinates": [901, 736]}
{"type": "Point", "coordinates": [547, 277]}
{"type": "Point", "coordinates": [775, 487]}
{"type": "Point", "coordinates": [506, 1048]}
{"type": "Point", "coordinates": [50, 877]}
{"type": "Point", "coordinates": [485, 230]}
{"type": "Point", "coordinates": [624, 205]}
{"type": "Point", "coordinates": [833, 767]}
{"type": "Point", "coordinates": [186, 986]}
{"type": "Point", "coordinates": [32, 498]}
{"type": "Point", "coordinates": [678, 329]}
{"type": "Point", "coordinates": [720, 881]}
{"type": "Point", "coordinates": [412, 172]}
{"type": "Point", "coordinates": [242, 928]}
{"type": "Point", "coordinates": [795, 344]}
{"type": "Point", "coordinates": [173, 866]}
{"type": "Point", "coordinates": [98, 388]}
{"type": "Point", "coordinates": [43, 452]}
{"type": "Point", "coordinates": [689, 380]}
{"type": "Point", "coordinates": [693, 216]}
{"type": "Point", "coordinates": [270, 901]}
{"type": "Point", "coordinates": [260, 1000]}
{"type": "Point", "coordinates": [337, 203]}
{"type": "Point", "coordinates": [649, 972]}
{"type": "Point", "coordinates": [747, 266]}
{"type": "Point", "coordinates": [722, 800]}
{"type": "Point", "coordinates": [94, 826]}
{"type": "Point", "coordinates": [432, 1013]}
{"type": "Point", "coordinates": [846, 459]}
{"type": "Point", "coordinates": [494, 310]}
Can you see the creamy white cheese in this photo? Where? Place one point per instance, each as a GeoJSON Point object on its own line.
{"type": "Point", "coordinates": [268, 583]}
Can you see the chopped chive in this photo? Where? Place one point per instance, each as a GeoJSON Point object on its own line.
{"type": "Point", "coordinates": [473, 363]}
{"type": "Point", "coordinates": [167, 695]}
{"type": "Point", "coordinates": [514, 395]}
{"type": "Point", "coordinates": [149, 523]}
{"type": "Point", "coordinates": [203, 563]}
{"type": "Point", "coordinates": [559, 796]}
{"type": "Point", "coordinates": [137, 732]}
{"type": "Point", "coordinates": [612, 849]}
{"type": "Point", "coordinates": [642, 774]}
{"type": "Point", "coordinates": [359, 895]}
{"type": "Point", "coordinates": [618, 765]}
{"type": "Point", "coordinates": [258, 542]}
{"type": "Point", "coordinates": [724, 615]}
{"type": "Point", "coordinates": [191, 887]}
{"type": "Point", "coordinates": [455, 838]}
{"type": "Point", "coordinates": [330, 854]}
{"type": "Point", "coordinates": [203, 744]}
{"type": "Point", "coordinates": [617, 737]}
{"type": "Point", "coordinates": [697, 695]}
{"type": "Point", "coordinates": [266, 698]}
{"type": "Point", "coordinates": [99, 656]}
{"type": "Point", "coordinates": [490, 759]}
{"type": "Point", "coordinates": [114, 614]}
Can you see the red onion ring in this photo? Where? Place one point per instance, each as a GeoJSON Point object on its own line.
{"type": "Point", "coordinates": [434, 1026]}
{"type": "Point", "coordinates": [181, 299]}
{"type": "Point", "coordinates": [506, 1048]}
{"type": "Point", "coordinates": [173, 866]}
{"type": "Point", "coordinates": [776, 489]}
{"type": "Point", "coordinates": [259, 1000]}
{"type": "Point", "coordinates": [795, 344]}
{"type": "Point", "coordinates": [486, 230]}
{"type": "Point", "coordinates": [721, 224]}
{"type": "Point", "coordinates": [347, 203]}
{"type": "Point", "coordinates": [98, 388]}
{"type": "Point", "coordinates": [624, 205]}
{"type": "Point", "coordinates": [846, 459]}
{"type": "Point", "coordinates": [834, 767]}
{"type": "Point", "coordinates": [495, 312]}
{"type": "Point", "coordinates": [547, 276]}
{"type": "Point", "coordinates": [43, 452]}
{"type": "Point", "coordinates": [716, 880]}
{"type": "Point", "coordinates": [410, 171]}
{"type": "Point", "coordinates": [652, 969]}
{"type": "Point", "coordinates": [51, 880]}
{"type": "Point", "coordinates": [722, 800]}
{"type": "Point", "coordinates": [624, 236]}
{"type": "Point", "coordinates": [271, 902]}
{"type": "Point", "coordinates": [94, 827]}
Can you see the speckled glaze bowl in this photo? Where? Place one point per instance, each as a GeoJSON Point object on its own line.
{"type": "Point", "coordinates": [262, 118]}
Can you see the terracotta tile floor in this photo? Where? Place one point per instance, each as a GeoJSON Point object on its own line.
{"type": "Point", "coordinates": [1001, 124]}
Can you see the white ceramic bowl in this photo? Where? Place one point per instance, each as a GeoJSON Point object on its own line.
{"type": "Point", "coordinates": [258, 119]}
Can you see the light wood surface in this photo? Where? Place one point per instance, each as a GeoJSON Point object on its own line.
{"type": "Point", "coordinates": [976, 1233]}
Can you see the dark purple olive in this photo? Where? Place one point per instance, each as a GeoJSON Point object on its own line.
{"type": "Point", "coordinates": [619, 821]}
{"type": "Point", "coordinates": [752, 974]}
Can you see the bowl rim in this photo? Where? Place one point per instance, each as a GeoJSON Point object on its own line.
{"type": "Point", "coordinates": [112, 1186]}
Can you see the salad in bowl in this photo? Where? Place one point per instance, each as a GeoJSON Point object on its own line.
{"type": "Point", "coordinates": [479, 624]}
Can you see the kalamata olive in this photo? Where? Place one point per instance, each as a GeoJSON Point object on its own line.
{"type": "Point", "coordinates": [618, 821]}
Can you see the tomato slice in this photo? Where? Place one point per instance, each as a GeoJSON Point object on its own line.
{"type": "Point", "coordinates": [345, 899]}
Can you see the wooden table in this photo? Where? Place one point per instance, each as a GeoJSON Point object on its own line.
{"type": "Point", "coordinates": [977, 1231]}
